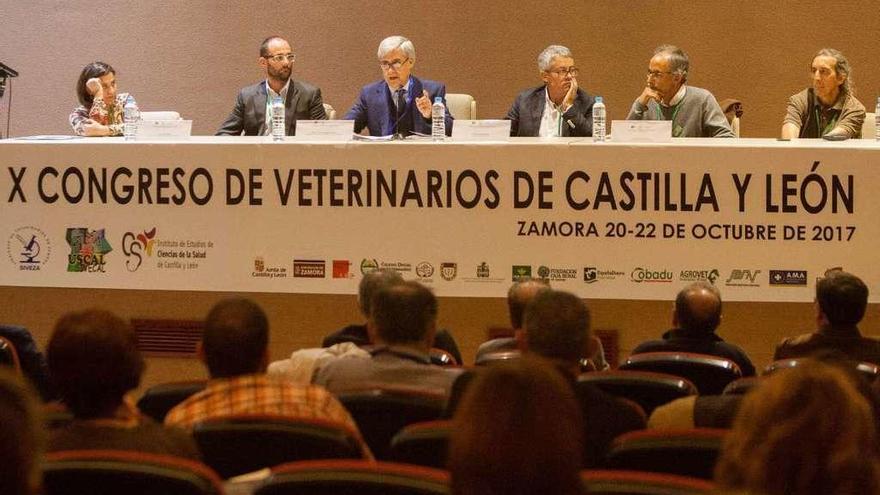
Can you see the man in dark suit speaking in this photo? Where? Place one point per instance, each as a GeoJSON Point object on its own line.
{"type": "Point", "coordinates": [558, 107]}
{"type": "Point", "coordinates": [252, 114]}
{"type": "Point", "coordinates": [400, 104]}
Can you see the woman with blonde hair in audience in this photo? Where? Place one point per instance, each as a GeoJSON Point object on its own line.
{"type": "Point", "coordinates": [807, 430]}
{"type": "Point", "coordinates": [517, 431]}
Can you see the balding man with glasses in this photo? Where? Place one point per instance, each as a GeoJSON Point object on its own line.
{"type": "Point", "coordinates": [399, 104]}
{"type": "Point", "coordinates": [694, 112]}
{"type": "Point", "coordinates": [252, 115]}
{"type": "Point", "coordinates": [556, 108]}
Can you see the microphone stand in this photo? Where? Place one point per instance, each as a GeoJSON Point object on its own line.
{"type": "Point", "coordinates": [6, 72]}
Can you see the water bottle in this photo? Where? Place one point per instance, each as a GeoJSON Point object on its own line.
{"type": "Point", "coordinates": [278, 127]}
{"type": "Point", "coordinates": [130, 116]}
{"type": "Point", "coordinates": [599, 120]}
{"type": "Point", "coordinates": [438, 120]}
{"type": "Point", "coordinates": [877, 120]}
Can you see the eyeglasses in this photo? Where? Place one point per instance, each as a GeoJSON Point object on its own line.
{"type": "Point", "coordinates": [394, 64]}
{"type": "Point", "coordinates": [573, 71]}
{"type": "Point", "coordinates": [281, 57]}
{"type": "Point", "coordinates": [657, 73]}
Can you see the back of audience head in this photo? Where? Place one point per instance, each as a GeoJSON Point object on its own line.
{"type": "Point", "coordinates": [93, 362]}
{"type": "Point", "coordinates": [517, 431]}
{"type": "Point", "coordinates": [803, 431]}
{"type": "Point", "coordinates": [236, 339]}
{"type": "Point", "coordinates": [698, 308]}
{"type": "Point", "coordinates": [842, 298]}
{"type": "Point", "coordinates": [519, 295]}
{"type": "Point", "coordinates": [557, 327]}
{"type": "Point", "coordinates": [20, 440]}
{"type": "Point", "coordinates": [371, 283]}
{"type": "Point", "coordinates": [403, 314]}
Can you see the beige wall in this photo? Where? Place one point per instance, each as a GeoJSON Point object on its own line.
{"type": "Point", "coordinates": [193, 56]}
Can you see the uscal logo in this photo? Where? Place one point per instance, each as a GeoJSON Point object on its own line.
{"type": "Point", "coordinates": [640, 275]}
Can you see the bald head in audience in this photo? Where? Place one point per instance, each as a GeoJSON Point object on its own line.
{"type": "Point", "coordinates": [520, 295]}
{"type": "Point", "coordinates": [697, 308]}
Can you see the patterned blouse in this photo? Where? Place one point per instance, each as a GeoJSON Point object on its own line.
{"type": "Point", "coordinates": [109, 115]}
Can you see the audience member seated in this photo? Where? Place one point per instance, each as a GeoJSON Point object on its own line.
{"type": "Point", "coordinates": [803, 431]}
{"type": "Point", "coordinates": [101, 108]}
{"type": "Point", "coordinates": [370, 284]}
{"type": "Point", "coordinates": [697, 411]}
{"type": "Point", "coordinates": [557, 327]}
{"type": "Point", "coordinates": [20, 439]}
{"type": "Point", "coordinates": [841, 300]}
{"type": "Point", "coordinates": [517, 432]}
{"type": "Point", "coordinates": [235, 349]}
{"type": "Point", "coordinates": [33, 362]}
{"type": "Point", "coordinates": [518, 297]}
{"type": "Point", "coordinates": [402, 325]}
{"type": "Point", "coordinates": [695, 317]}
{"type": "Point", "coordinates": [93, 362]}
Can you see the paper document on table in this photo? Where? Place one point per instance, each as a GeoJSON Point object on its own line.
{"type": "Point", "coordinates": [47, 137]}
{"type": "Point", "coordinates": [324, 130]}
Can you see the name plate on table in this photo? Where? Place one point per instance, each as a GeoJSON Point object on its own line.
{"type": "Point", "coordinates": [641, 131]}
{"type": "Point", "coordinates": [481, 130]}
{"type": "Point", "coordinates": [324, 130]}
{"type": "Point", "coordinates": [164, 129]}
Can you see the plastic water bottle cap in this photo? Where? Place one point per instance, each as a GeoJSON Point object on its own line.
{"type": "Point", "coordinates": [599, 99]}
{"type": "Point", "coordinates": [438, 99]}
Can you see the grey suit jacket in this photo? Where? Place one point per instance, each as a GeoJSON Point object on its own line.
{"type": "Point", "coordinates": [525, 114]}
{"type": "Point", "coordinates": [249, 115]}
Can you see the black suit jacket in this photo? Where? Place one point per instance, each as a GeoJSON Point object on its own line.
{"type": "Point", "coordinates": [248, 117]}
{"type": "Point", "coordinates": [525, 114]}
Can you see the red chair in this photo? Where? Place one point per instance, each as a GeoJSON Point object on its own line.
{"type": "Point", "coordinates": [424, 444]}
{"type": "Point", "coordinates": [496, 357]}
{"type": "Point", "coordinates": [646, 389]}
{"type": "Point", "coordinates": [709, 373]}
{"type": "Point", "coordinates": [99, 472]}
{"type": "Point", "coordinates": [381, 412]}
{"type": "Point", "coordinates": [159, 399]}
{"type": "Point", "coordinates": [235, 445]}
{"type": "Point", "coordinates": [684, 452]}
{"type": "Point", "coordinates": [8, 355]}
{"type": "Point", "coordinates": [611, 482]}
{"type": "Point", "coordinates": [442, 358]}
{"type": "Point", "coordinates": [869, 371]}
{"type": "Point", "coordinates": [354, 478]}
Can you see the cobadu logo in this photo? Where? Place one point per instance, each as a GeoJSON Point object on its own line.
{"type": "Point", "coordinates": [520, 272]}
{"type": "Point", "coordinates": [640, 275]}
{"type": "Point", "coordinates": [448, 271]}
{"type": "Point", "coordinates": [483, 270]}
{"type": "Point", "coordinates": [425, 269]}
{"type": "Point", "coordinates": [743, 278]}
{"type": "Point", "coordinates": [136, 246]}
{"type": "Point", "coordinates": [369, 265]}
{"type": "Point", "coordinates": [29, 248]}
{"type": "Point", "coordinates": [699, 275]}
{"type": "Point", "coordinates": [88, 249]}
{"type": "Point", "coordinates": [788, 277]}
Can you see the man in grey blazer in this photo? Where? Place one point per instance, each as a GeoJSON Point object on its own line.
{"type": "Point", "coordinates": [558, 108]}
{"type": "Point", "coordinates": [252, 113]}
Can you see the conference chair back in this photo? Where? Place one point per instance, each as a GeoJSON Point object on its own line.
{"type": "Point", "coordinates": [381, 412]}
{"type": "Point", "coordinates": [330, 111]}
{"type": "Point", "coordinates": [91, 472]}
{"type": "Point", "coordinates": [240, 444]}
{"type": "Point", "coordinates": [869, 371]}
{"type": "Point", "coordinates": [689, 452]}
{"type": "Point", "coordinates": [354, 478]}
{"type": "Point", "coordinates": [442, 358]}
{"type": "Point", "coordinates": [648, 390]}
{"type": "Point", "coordinates": [496, 357]}
{"type": "Point", "coordinates": [159, 399]}
{"type": "Point", "coordinates": [869, 126]}
{"type": "Point", "coordinates": [614, 482]}
{"type": "Point", "coordinates": [709, 373]}
{"type": "Point", "coordinates": [461, 106]}
{"type": "Point", "coordinates": [9, 355]}
{"type": "Point", "coordinates": [424, 444]}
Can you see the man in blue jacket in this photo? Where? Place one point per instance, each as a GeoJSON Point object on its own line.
{"type": "Point", "coordinates": [399, 104]}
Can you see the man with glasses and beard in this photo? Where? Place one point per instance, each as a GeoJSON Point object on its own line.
{"type": "Point", "coordinates": [667, 96]}
{"type": "Point", "coordinates": [558, 107]}
{"type": "Point", "coordinates": [399, 104]}
{"type": "Point", "coordinates": [252, 115]}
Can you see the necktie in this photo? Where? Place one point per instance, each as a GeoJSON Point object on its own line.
{"type": "Point", "coordinates": [403, 124]}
